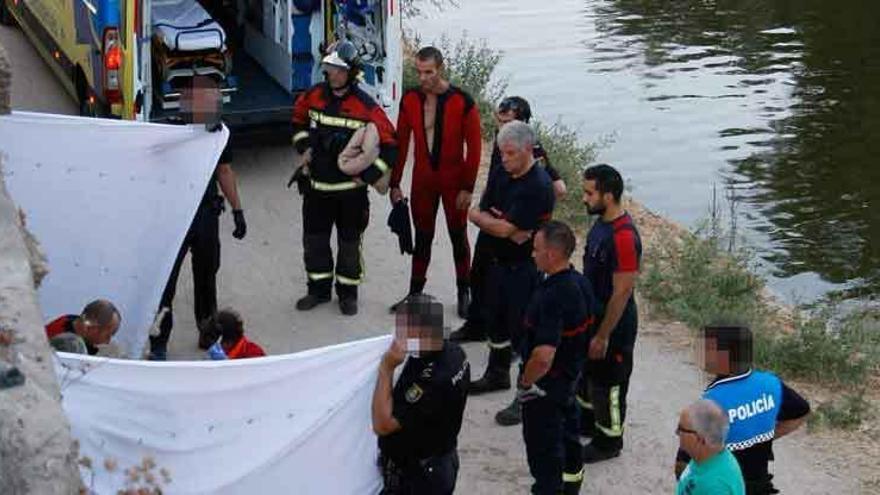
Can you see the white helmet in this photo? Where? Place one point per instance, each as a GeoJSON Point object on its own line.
{"type": "Point", "coordinates": [343, 54]}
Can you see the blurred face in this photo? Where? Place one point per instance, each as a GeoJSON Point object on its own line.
{"type": "Point", "coordinates": [99, 335]}
{"type": "Point", "coordinates": [418, 338]}
{"type": "Point", "coordinates": [430, 75]}
{"type": "Point", "coordinates": [337, 77]}
{"type": "Point", "coordinates": [201, 102]}
{"type": "Point", "coordinates": [715, 361]}
{"type": "Point", "coordinates": [688, 440]}
{"type": "Point", "coordinates": [514, 158]}
{"type": "Point", "coordinates": [595, 201]}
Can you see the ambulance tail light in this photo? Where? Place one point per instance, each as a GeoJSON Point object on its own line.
{"type": "Point", "coordinates": [112, 65]}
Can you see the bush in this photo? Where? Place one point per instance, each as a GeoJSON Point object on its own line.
{"type": "Point", "coordinates": [846, 413]}
{"type": "Point", "coordinates": [570, 157]}
{"type": "Point", "coordinates": [698, 282]}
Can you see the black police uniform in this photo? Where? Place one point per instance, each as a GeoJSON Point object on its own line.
{"type": "Point", "coordinates": [482, 248]}
{"type": "Point", "coordinates": [611, 247]}
{"type": "Point", "coordinates": [203, 242]}
{"type": "Point", "coordinates": [428, 402]}
{"type": "Point", "coordinates": [560, 315]}
{"type": "Point", "coordinates": [526, 202]}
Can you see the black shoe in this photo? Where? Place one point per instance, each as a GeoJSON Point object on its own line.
{"type": "Point", "coordinates": [464, 302]}
{"type": "Point", "coordinates": [208, 335]}
{"type": "Point", "coordinates": [468, 333]}
{"type": "Point", "coordinates": [348, 306]}
{"type": "Point", "coordinates": [593, 455]}
{"type": "Point", "coordinates": [492, 380]}
{"type": "Point", "coordinates": [158, 355]}
{"type": "Point", "coordinates": [510, 415]}
{"type": "Point", "coordinates": [309, 301]}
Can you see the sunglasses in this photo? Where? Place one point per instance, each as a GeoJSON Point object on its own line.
{"type": "Point", "coordinates": [679, 430]}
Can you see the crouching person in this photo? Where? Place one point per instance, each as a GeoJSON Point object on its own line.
{"type": "Point", "coordinates": [228, 326]}
{"type": "Point", "coordinates": [419, 419]}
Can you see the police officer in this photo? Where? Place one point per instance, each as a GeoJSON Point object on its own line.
{"type": "Point", "coordinates": [760, 407]}
{"type": "Point", "coordinates": [325, 117]}
{"type": "Point", "coordinates": [510, 109]}
{"type": "Point", "coordinates": [556, 325]}
{"type": "Point", "coordinates": [611, 262]}
{"type": "Point", "coordinates": [519, 202]}
{"type": "Point", "coordinates": [418, 421]}
{"type": "Point", "coordinates": [201, 103]}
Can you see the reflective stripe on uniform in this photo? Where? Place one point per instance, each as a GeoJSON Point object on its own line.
{"type": "Point", "coordinates": [315, 276]}
{"type": "Point", "coordinates": [499, 345]}
{"type": "Point", "coordinates": [573, 477]}
{"type": "Point", "coordinates": [616, 429]}
{"type": "Point", "coordinates": [583, 403]}
{"type": "Point", "coordinates": [336, 186]}
{"type": "Point", "coordinates": [299, 136]}
{"type": "Point", "coordinates": [347, 281]}
{"type": "Point", "coordinates": [381, 165]}
{"type": "Point", "coordinates": [329, 120]}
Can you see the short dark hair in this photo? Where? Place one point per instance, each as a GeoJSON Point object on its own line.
{"type": "Point", "coordinates": [560, 236]}
{"type": "Point", "coordinates": [422, 310]}
{"type": "Point", "coordinates": [100, 312]}
{"type": "Point", "coordinates": [430, 53]}
{"type": "Point", "coordinates": [608, 179]}
{"type": "Point", "coordinates": [228, 324]}
{"type": "Point", "coordinates": [518, 105]}
{"type": "Point", "coordinates": [735, 339]}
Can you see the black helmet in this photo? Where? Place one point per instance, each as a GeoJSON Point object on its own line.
{"type": "Point", "coordinates": [518, 105]}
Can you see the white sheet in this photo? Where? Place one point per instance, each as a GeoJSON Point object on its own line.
{"type": "Point", "coordinates": [183, 25]}
{"type": "Point", "coordinates": [110, 202]}
{"type": "Point", "coordinates": [293, 424]}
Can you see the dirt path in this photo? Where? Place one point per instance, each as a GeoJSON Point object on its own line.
{"type": "Point", "coordinates": [263, 275]}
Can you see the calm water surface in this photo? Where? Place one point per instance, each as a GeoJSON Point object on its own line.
{"type": "Point", "coordinates": [776, 101]}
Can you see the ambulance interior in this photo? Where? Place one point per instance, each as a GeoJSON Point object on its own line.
{"type": "Point", "coordinates": [262, 52]}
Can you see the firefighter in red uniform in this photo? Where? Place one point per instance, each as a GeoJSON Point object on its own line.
{"type": "Point", "coordinates": [325, 117]}
{"type": "Point", "coordinates": [442, 120]}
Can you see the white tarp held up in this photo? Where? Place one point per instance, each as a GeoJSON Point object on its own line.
{"type": "Point", "coordinates": [110, 202]}
{"type": "Point", "coordinates": [294, 424]}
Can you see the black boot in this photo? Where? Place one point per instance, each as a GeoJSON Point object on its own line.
{"type": "Point", "coordinates": [510, 415]}
{"type": "Point", "coordinates": [497, 375]}
{"type": "Point", "coordinates": [348, 305]}
{"type": "Point", "coordinates": [464, 301]}
{"type": "Point", "coordinates": [571, 487]}
{"type": "Point", "coordinates": [468, 333]}
{"type": "Point", "coordinates": [309, 301]}
{"type": "Point", "coordinates": [593, 454]}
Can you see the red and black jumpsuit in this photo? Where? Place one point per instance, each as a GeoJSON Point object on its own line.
{"type": "Point", "coordinates": [325, 123]}
{"type": "Point", "coordinates": [441, 171]}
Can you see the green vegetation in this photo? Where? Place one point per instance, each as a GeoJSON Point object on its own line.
{"type": "Point", "coordinates": [704, 279]}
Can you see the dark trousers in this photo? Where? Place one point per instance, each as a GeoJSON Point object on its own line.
{"type": "Point", "coordinates": [202, 241]}
{"type": "Point", "coordinates": [425, 202]}
{"type": "Point", "coordinates": [479, 270]}
{"type": "Point", "coordinates": [550, 430]}
{"type": "Point", "coordinates": [432, 476]}
{"type": "Point", "coordinates": [349, 212]}
{"type": "Point", "coordinates": [602, 398]}
{"type": "Point", "coordinates": [509, 288]}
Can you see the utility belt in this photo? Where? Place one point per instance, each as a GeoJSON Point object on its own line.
{"type": "Point", "coordinates": [418, 474]}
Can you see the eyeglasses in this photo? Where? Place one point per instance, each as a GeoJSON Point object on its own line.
{"type": "Point", "coordinates": [679, 430]}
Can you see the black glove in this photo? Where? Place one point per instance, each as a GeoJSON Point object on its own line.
{"type": "Point", "coordinates": [240, 225]}
{"type": "Point", "coordinates": [301, 177]}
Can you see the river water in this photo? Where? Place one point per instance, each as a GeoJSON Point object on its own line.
{"type": "Point", "coordinates": [774, 103]}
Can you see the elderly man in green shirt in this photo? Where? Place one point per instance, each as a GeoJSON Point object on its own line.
{"type": "Point", "coordinates": [713, 470]}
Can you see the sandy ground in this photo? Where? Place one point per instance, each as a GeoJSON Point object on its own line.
{"type": "Point", "coordinates": [263, 275]}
